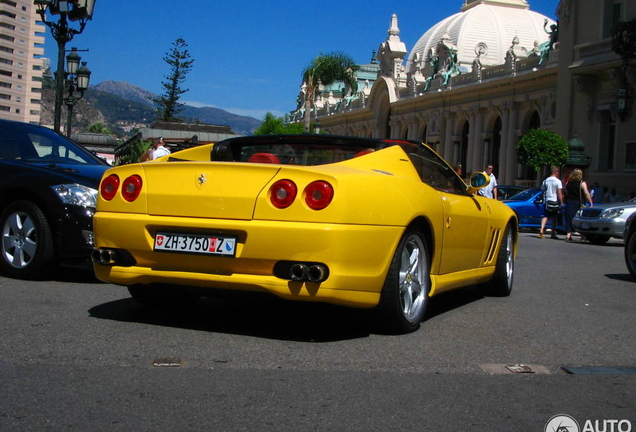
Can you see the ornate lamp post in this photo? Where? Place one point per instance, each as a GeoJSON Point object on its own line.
{"type": "Point", "coordinates": [76, 80]}
{"type": "Point", "coordinates": [65, 10]}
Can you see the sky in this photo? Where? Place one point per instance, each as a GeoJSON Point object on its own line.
{"type": "Point", "coordinates": [248, 55]}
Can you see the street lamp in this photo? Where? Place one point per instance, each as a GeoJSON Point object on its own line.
{"type": "Point", "coordinates": [76, 79]}
{"type": "Point", "coordinates": [66, 10]}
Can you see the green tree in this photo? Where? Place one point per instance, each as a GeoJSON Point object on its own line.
{"type": "Point", "coordinates": [134, 152]}
{"type": "Point", "coordinates": [540, 148]}
{"type": "Point", "coordinates": [325, 69]}
{"type": "Point", "coordinates": [180, 62]}
{"type": "Point", "coordinates": [99, 128]}
{"type": "Point", "coordinates": [273, 125]}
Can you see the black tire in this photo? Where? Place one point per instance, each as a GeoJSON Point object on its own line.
{"type": "Point", "coordinates": [630, 252]}
{"type": "Point", "coordinates": [597, 239]}
{"type": "Point", "coordinates": [163, 296]}
{"type": "Point", "coordinates": [27, 243]}
{"type": "Point", "coordinates": [501, 283]}
{"type": "Point", "coordinates": [405, 293]}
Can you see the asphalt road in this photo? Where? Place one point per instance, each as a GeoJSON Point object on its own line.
{"type": "Point", "coordinates": [80, 355]}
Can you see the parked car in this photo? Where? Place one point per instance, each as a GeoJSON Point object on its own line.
{"type": "Point", "coordinates": [528, 205]}
{"type": "Point", "coordinates": [603, 221]}
{"type": "Point", "coordinates": [630, 244]}
{"type": "Point", "coordinates": [48, 188]}
{"type": "Point", "coordinates": [350, 221]}
{"type": "Point", "coordinates": [504, 192]}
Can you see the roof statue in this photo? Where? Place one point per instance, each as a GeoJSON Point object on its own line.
{"type": "Point", "coordinates": [549, 45]}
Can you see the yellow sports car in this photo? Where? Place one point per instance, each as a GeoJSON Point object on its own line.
{"type": "Point", "coordinates": [367, 223]}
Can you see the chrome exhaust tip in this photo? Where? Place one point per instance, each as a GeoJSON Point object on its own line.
{"type": "Point", "coordinates": [317, 273]}
{"type": "Point", "coordinates": [298, 272]}
{"type": "Point", "coordinates": [104, 257]}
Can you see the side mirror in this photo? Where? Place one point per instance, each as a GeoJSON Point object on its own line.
{"type": "Point", "coordinates": [478, 180]}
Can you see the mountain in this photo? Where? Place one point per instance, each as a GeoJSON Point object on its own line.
{"type": "Point", "coordinates": [241, 125]}
{"type": "Point", "coordinates": [122, 106]}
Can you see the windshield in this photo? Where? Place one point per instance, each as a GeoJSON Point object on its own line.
{"type": "Point", "coordinates": [524, 195]}
{"type": "Point", "coordinates": [25, 142]}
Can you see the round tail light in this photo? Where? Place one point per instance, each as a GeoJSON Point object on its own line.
{"type": "Point", "coordinates": [131, 188]}
{"type": "Point", "coordinates": [318, 195]}
{"type": "Point", "coordinates": [283, 193]}
{"type": "Point", "coordinates": [109, 186]}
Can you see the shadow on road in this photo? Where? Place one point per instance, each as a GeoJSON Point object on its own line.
{"type": "Point", "coordinates": [266, 316]}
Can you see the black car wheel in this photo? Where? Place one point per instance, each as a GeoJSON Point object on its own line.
{"type": "Point", "coordinates": [630, 251]}
{"type": "Point", "coordinates": [405, 293]}
{"type": "Point", "coordinates": [501, 283]}
{"type": "Point", "coordinates": [27, 243]}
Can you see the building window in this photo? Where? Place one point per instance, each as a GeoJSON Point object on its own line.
{"type": "Point", "coordinates": [5, 108]}
{"type": "Point", "coordinates": [611, 15]}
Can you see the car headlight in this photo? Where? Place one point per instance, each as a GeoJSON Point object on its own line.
{"type": "Point", "coordinates": [76, 194]}
{"type": "Point", "coordinates": [612, 213]}
{"type": "Point", "coordinates": [578, 213]}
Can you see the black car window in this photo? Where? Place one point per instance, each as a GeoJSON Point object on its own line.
{"type": "Point", "coordinates": [433, 170]}
{"type": "Point", "coordinates": [21, 141]}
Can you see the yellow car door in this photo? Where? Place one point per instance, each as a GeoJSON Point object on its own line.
{"type": "Point", "coordinates": [466, 221]}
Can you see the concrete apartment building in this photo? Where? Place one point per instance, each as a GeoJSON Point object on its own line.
{"type": "Point", "coordinates": [21, 63]}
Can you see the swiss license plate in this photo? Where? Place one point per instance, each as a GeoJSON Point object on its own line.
{"type": "Point", "coordinates": [195, 243]}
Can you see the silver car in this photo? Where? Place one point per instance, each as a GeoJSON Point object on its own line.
{"type": "Point", "coordinates": [601, 222]}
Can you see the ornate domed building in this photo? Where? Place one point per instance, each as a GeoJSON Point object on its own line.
{"type": "Point", "coordinates": [477, 81]}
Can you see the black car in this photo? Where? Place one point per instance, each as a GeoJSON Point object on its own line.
{"type": "Point", "coordinates": [48, 188]}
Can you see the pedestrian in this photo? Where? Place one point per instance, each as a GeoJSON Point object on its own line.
{"type": "Point", "coordinates": [597, 193]}
{"type": "Point", "coordinates": [459, 170]}
{"type": "Point", "coordinates": [159, 149]}
{"type": "Point", "coordinates": [553, 201]}
{"type": "Point", "coordinates": [489, 191]}
{"type": "Point", "coordinates": [576, 195]}
{"type": "Point", "coordinates": [612, 197]}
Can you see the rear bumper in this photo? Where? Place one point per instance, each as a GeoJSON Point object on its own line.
{"type": "Point", "coordinates": [358, 256]}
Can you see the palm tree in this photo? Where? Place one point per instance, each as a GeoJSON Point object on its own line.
{"type": "Point", "coordinates": [325, 69]}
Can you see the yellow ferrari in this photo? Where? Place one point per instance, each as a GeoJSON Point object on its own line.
{"type": "Point", "coordinates": [366, 223]}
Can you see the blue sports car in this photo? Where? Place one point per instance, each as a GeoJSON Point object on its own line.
{"type": "Point", "coordinates": [528, 205]}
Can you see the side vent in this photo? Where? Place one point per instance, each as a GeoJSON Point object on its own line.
{"type": "Point", "coordinates": [492, 248]}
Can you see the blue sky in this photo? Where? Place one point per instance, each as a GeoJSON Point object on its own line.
{"type": "Point", "coordinates": [248, 55]}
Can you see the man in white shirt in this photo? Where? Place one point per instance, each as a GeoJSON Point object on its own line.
{"type": "Point", "coordinates": [553, 192]}
{"type": "Point", "coordinates": [490, 191]}
{"type": "Point", "coordinates": [160, 149]}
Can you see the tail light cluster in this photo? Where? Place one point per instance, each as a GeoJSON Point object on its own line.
{"type": "Point", "coordinates": [317, 195]}
{"type": "Point", "coordinates": [130, 188]}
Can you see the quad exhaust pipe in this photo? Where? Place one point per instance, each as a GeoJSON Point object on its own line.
{"type": "Point", "coordinates": [314, 273]}
{"type": "Point", "coordinates": [107, 257]}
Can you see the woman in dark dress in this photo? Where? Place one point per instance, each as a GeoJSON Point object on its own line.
{"type": "Point", "coordinates": [576, 195]}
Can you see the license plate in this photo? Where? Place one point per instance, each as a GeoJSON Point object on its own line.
{"type": "Point", "coordinates": [195, 243]}
{"type": "Point", "coordinates": [585, 225]}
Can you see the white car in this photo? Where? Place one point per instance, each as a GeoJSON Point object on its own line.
{"type": "Point", "coordinates": [603, 221]}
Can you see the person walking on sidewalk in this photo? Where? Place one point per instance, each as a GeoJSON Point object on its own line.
{"type": "Point", "coordinates": [553, 195]}
{"type": "Point", "coordinates": [576, 195]}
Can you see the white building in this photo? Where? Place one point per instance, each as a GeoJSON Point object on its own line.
{"type": "Point", "coordinates": [478, 80]}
